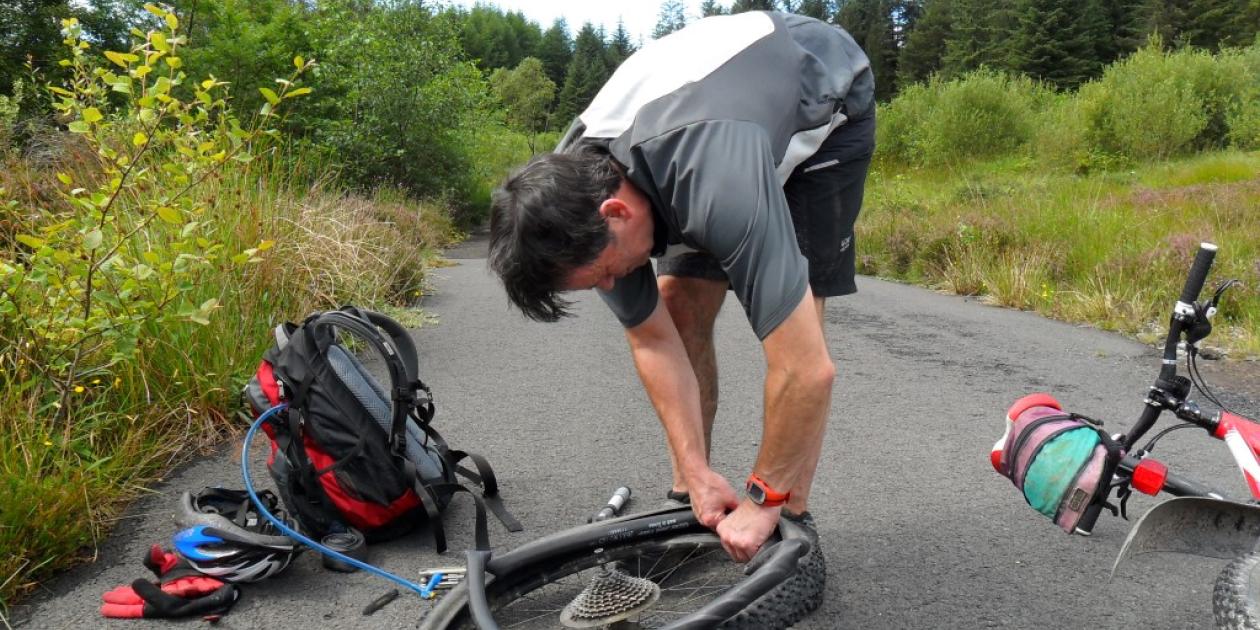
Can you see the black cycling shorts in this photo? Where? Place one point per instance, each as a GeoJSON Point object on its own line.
{"type": "Point", "coordinates": [824, 194]}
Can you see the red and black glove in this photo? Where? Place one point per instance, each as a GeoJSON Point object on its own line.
{"type": "Point", "coordinates": [180, 592]}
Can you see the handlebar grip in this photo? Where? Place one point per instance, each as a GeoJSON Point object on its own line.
{"type": "Point", "coordinates": [1198, 273]}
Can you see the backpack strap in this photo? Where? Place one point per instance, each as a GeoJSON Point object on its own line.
{"type": "Point", "coordinates": [401, 338]}
{"type": "Point", "coordinates": [484, 477]}
{"type": "Point", "coordinates": [407, 352]}
{"type": "Point", "coordinates": [490, 488]}
{"type": "Point", "coordinates": [429, 501]}
{"type": "Point", "coordinates": [402, 390]}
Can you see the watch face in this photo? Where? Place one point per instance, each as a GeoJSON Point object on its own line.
{"type": "Point", "coordinates": [756, 493]}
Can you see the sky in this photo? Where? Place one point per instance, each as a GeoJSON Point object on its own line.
{"type": "Point", "coordinates": [639, 15]}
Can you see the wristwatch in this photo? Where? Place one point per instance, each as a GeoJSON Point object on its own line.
{"type": "Point", "coordinates": [762, 494]}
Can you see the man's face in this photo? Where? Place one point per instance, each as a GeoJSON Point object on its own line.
{"type": "Point", "coordinates": [615, 262]}
{"type": "Point", "coordinates": [629, 218]}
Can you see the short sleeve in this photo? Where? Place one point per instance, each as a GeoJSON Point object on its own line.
{"type": "Point", "coordinates": [633, 297]}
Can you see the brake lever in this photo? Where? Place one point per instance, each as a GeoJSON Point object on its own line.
{"type": "Point", "coordinates": [1201, 326]}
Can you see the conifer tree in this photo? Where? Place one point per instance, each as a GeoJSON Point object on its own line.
{"type": "Point", "coordinates": [925, 44]}
{"type": "Point", "coordinates": [981, 35]}
{"type": "Point", "coordinates": [1209, 24]}
{"type": "Point", "coordinates": [711, 7]}
{"type": "Point", "coordinates": [587, 72]}
{"type": "Point", "coordinates": [741, 6]}
{"type": "Point", "coordinates": [556, 51]}
{"type": "Point", "coordinates": [870, 22]}
{"type": "Point", "coordinates": [818, 9]}
{"type": "Point", "coordinates": [620, 46]}
{"type": "Point", "coordinates": [1214, 24]}
{"type": "Point", "coordinates": [1059, 41]}
{"type": "Point", "coordinates": [671, 18]}
{"type": "Point", "coordinates": [1129, 22]}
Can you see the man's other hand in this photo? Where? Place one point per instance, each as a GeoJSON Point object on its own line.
{"type": "Point", "coordinates": [746, 529]}
{"type": "Point", "coordinates": [711, 498]}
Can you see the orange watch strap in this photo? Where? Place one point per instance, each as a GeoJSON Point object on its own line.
{"type": "Point", "coordinates": [772, 497]}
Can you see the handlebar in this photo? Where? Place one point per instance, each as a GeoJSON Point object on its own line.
{"type": "Point", "coordinates": [1183, 315]}
{"type": "Point", "coordinates": [1183, 312]}
{"type": "Point", "coordinates": [1198, 273]}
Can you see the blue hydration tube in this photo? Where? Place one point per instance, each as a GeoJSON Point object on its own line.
{"type": "Point", "coordinates": [262, 509]}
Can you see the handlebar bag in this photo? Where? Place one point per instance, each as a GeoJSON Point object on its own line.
{"type": "Point", "coordinates": [1062, 464]}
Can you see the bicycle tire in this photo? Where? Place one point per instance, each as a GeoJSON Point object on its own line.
{"type": "Point", "coordinates": [1234, 595]}
{"type": "Point", "coordinates": [534, 580]}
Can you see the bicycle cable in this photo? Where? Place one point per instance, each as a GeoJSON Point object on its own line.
{"type": "Point", "coordinates": [1150, 445]}
{"type": "Point", "coordinates": [1200, 383]}
{"type": "Point", "coordinates": [1192, 352]}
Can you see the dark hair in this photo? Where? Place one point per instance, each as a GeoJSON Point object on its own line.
{"type": "Point", "coordinates": [545, 222]}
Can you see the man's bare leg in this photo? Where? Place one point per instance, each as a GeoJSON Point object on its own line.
{"type": "Point", "coordinates": [800, 492]}
{"type": "Point", "coordinates": [693, 304]}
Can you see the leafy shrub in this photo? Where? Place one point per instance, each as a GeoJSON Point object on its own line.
{"type": "Point", "coordinates": [983, 114]}
{"type": "Point", "coordinates": [1156, 104]}
{"type": "Point", "coordinates": [397, 104]}
{"type": "Point", "coordinates": [1243, 115]}
{"type": "Point", "coordinates": [8, 117]}
{"type": "Point", "coordinates": [104, 276]}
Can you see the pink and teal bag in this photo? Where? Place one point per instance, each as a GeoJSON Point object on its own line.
{"type": "Point", "coordinates": [1062, 463]}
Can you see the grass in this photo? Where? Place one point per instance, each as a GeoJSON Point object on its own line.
{"type": "Point", "coordinates": [65, 477]}
{"type": "Point", "coordinates": [1109, 249]}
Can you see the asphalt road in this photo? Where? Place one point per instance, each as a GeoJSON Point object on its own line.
{"type": "Point", "coordinates": [918, 530]}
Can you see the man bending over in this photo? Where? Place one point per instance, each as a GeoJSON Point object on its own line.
{"type": "Point", "coordinates": [734, 151]}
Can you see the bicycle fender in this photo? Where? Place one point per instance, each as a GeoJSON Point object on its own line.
{"type": "Point", "coordinates": [1213, 528]}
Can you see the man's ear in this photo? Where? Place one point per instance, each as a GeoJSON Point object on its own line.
{"type": "Point", "coordinates": [614, 208]}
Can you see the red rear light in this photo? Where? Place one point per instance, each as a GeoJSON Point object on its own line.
{"type": "Point", "coordinates": [1149, 476]}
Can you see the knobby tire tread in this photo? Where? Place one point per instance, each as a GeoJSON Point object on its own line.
{"type": "Point", "coordinates": [1234, 596]}
{"type": "Point", "coordinates": [789, 602]}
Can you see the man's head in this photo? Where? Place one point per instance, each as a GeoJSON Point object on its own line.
{"type": "Point", "coordinates": [566, 221]}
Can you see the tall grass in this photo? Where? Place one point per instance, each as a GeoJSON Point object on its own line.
{"type": "Point", "coordinates": [1085, 206]}
{"type": "Point", "coordinates": [1107, 249]}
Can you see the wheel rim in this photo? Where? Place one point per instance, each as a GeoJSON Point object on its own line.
{"type": "Point", "coordinates": [690, 570]}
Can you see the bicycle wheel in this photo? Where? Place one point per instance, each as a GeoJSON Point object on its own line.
{"type": "Point", "coordinates": [1234, 596]}
{"type": "Point", "coordinates": [578, 578]}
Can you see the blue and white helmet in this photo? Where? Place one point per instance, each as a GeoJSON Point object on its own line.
{"type": "Point", "coordinates": [226, 538]}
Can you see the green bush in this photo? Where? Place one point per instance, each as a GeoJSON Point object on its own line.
{"type": "Point", "coordinates": [8, 116]}
{"type": "Point", "coordinates": [1156, 104]}
{"type": "Point", "coordinates": [983, 114]}
{"type": "Point", "coordinates": [1243, 115]}
{"type": "Point", "coordinates": [397, 104]}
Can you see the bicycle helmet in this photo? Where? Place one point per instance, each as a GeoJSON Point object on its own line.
{"type": "Point", "coordinates": [228, 539]}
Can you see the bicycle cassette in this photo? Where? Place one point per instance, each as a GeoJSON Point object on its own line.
{"type": "Point", "coordinates": [610, 597]}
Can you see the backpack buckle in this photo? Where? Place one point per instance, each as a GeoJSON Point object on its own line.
{"type": "Point", "coordinates": [398, 445]}
{"type": "Point", "coordinates": [406, 394]}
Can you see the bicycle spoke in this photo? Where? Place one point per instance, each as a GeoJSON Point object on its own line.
{"type": "Point", "coordinates": [689, 574]}
{"type": "Point", "coordinates": [677, 566]}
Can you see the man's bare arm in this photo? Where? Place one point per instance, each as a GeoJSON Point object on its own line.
{"type": "Point", "coordinates": [666, 372]}
{"type": "Point", "coordinates": [799, 375]}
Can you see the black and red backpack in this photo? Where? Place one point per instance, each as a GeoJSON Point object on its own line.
{"type": "Point", "coordinates": [349, 452]}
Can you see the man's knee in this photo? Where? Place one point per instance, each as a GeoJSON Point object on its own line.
{"type": "Point", "coordinates": [693, 303]}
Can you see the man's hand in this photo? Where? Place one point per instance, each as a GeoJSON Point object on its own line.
{"type": "Point", "coordinates": [746, 529]}
{"type": "Point", "coordinates": [711, 497]}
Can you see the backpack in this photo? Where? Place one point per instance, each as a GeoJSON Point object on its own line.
{"type": "Point", "coordinates": [1062, 463]}
{"type": "Point", "coordinates": [348, 452]}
